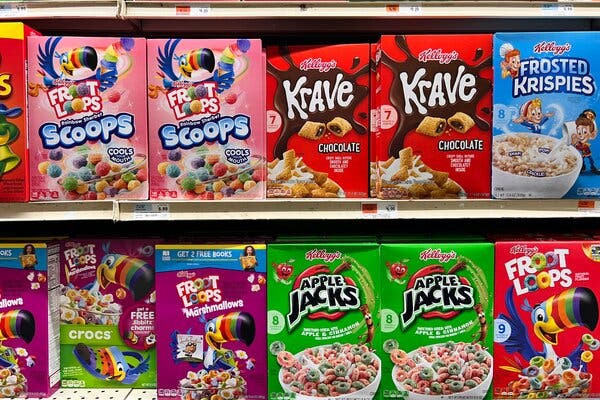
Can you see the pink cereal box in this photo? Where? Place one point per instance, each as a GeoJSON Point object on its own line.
{"type": "Point", "coordinates": [87, 118]}
{"type": "Point", "coordinates": [206, 102]}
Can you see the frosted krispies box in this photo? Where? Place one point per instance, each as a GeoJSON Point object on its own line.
{"type": "Point", "coordinates": [545, 104]}
{"type": "Point", "coordinates": [206, 107]}
{"type": "Point", "coordinates": [87, 118]}
{"type": "Point", "coordinates": [214, 346]}
{"type": "Point", "coordinates": [14, 167]}
{"type": "Point", "coordinates": [546, 328]}
{"type": "Point", "coordinates": [29, 333]}
{"type": "Point", "coordinates": [107, 303]}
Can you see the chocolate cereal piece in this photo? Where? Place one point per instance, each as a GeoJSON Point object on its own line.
{"type": "Point", "coordinates": [273, 164]}
{"type": "Point", "coordinates": [451, 187]}
{"type": "Point", "coordinates": [284, 175]}
{"type": "Point", "coordinates": [417, 191]}
{"type": "Point", "coordinates": [331, 186]}
{"type": "Point", "coordinates": [439, 177]}
{"type": "Point", "coordinates": [339, 126]}
{"type": "Point", "coordinates": [401, 175]}
{"type": "Point", "coordinates": [318, 193]}
{"type": "Point", "coordinates": [461, 122]}
{"type": "Point", "coordinates": [387, 163]}
{"type": "Point", "coordinates": [406, 157]}
{"type": "Point", "coordinates": [438, 194]}
{"type": "Point", "coordinates": [432, 126]}
{"type": "Point", "coordinates": [289, 159]}
{"type": "Point", "coordinates": [300, 190]}
{"type": "Point", "coordinates": [312, 130]}
{"type": "Point", "coordinates": [320, 177]}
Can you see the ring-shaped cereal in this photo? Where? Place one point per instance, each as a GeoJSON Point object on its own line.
{"type": "Point", "coordinates": [543, 280]}
{"type": "Point", "coordinates": [530, 282]}
{"type": "Point", "coordinates": [342, 387]}
{"type": "Point", "coordinates": [565, 363]}
{"type": "Point", "coordinates": [587, 356]}
{"type": "Point", "coordinates": [216, 397]}
{"type": "Point", "coordinates": [456, 386]}
{"type": "Point", "coordinates": [531, 371]}
{"type": "Point", "coordinates": [553, 379]}
{"type": "Point", "coordinates": [276, 347]}
{"type": "Point", "coordinates": [548, 365]}
{"type": "Point", "coordinates": [587, 338]}
{"type": "Point", "coordinates": [323, 389]}
{"type": "Point", "coordinates": [535, 383]}
{"type": "Point", "coordinates": [453, 369]}
{"type": "Point", "coordinates": [426, 374]}
{"type": "Point", "coordinates": [313, 375]}
{"type": "Point", "coordinates": [551, 259]}
{"type": "Point", "coordinates": [538, 260]}
{"type": "Point", "coordinates": [523, 383]}
{"type": "Point", "coordinates": [595, 345]}
{"type": "Point", "coordinates": [397, 356]}
{"type": "Point", "coordinates": [436, 387]}
{"type": "Point", "coordinates": [340, 370]}
{"type": "Point", "coordinates": [285, 359]}
{"type": "Point", "coordinates": [389, 345]}
{"type": "Point", "coordinates": [538, 361]}
{"type": "Point", "coordinates": [569, 377]}
{"type": "Point", "coordinates": [531, 395]}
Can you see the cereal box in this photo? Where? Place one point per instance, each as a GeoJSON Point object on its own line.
{"type": "Point", "coordinates": [206, 106]}
{"type": "Point", "coordinates": [214, 345]}
{"type": "Point", "coordinates": [435, 116]}
{"type": "Point", "coordinates": [546, 326]}
{"type": "Point", "coordinates": [318, 121]}
{"type": "Point", "coordinates": [322, 305]}
{"type": "Point", "coordinates": [29, 334]}
{"type": "Point", "coordinates": [87, 118]}
{"type": "Point", "coordinates": [14, 167]}
{"type": "Point", "coordinates": [437, 300]}
{"type": "Point", "coordinates": [545, 98]}
{"type": "Point", "coordinates": [374, 90]}
{"type": "Point", "coordinates": [107, 302]}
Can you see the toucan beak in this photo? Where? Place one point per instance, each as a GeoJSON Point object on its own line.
{"type": "Point", "coordinates": [27, 326]}
{"type": "Point", "coordinates": [142, 283]}
{"type": "Point", "coordinates": [101, 277]}
{"type": "Point", "coordinates": [588, 308]}
{"type": "Point", "coordinates": [247, 328]}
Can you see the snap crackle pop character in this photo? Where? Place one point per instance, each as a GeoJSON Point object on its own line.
{"type": "Point", "coordinates": [511, 62]}
{"type": "Point", "coordinates": [531, 115]}
{"type": "Point", "coordinates": [586, 131]}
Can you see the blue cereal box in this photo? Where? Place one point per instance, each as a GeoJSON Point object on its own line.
{"type": "Point", "coordinates": [545, 105]}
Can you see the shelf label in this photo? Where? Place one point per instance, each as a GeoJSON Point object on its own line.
{"type": "Point", "coordinates": [557, 10]}
{"type": "Point", "coordinates": [13, 10]}
{"type": "Point", "coordinates": [145, 211]}
{"type": "Point", "coordinates": [197, 10]}
{"type": "Point", "coordinates": [588, 206]}
{"type": "Point", "coordinates": [414, 9]}
{"type": "Point", "coordinates": [379, 209]}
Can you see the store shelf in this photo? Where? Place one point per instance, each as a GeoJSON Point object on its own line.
{"type": "Point", "coordinates": [59, 9]}
{"type": "Point", "coordinates": [141, 394]}
{"type": "Point", "coordinates": [58, 211]}
{"type": "Point", "coordinates": [91, 394]}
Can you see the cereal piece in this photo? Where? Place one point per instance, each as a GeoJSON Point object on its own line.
{"type": "Point", "coordinates": [406, 157]}
{"type": "Point", "coordinates": [312, 130]}
{"type": "Point", "coordinates": [339, 126]}
{"type": "Point", "coordinates": [388, 163]}
{"type": "Point", "coordinates": [312, 186]}
{"type": "Point", "coordinates": [400, 175]}
{"type": "Point", "coordinates": [320, 177]}
{"type": "Point", "coordinates": [82, 188]}
{"type": "Point", "coordinates": [543, 280]}
{"type": "Point", "coordinates": [289, 159]}
{"type": "Point", "coordinates": [285, 175]}
{"type": "Point", "coordinates": [162, 168]}
{"type": "Point", "coordinates": [43, 167]}
{"type": "Point", "coordinates": [95, 158]}
{"type": "Point", "coordinates": [439, 177]}
{"type": "Point", "coordinates": [587, 356]}
{"type": "Point", "coordinates": [330, 195]}
{"type": "Point", "coordinates": [212, 158]}
{"type": "Point", "coordinates": [318, 193]}
{"type": "Point", "coordinates": [331, 186]}
{"type": "Point", "coordinates": [299, 190]}
{"type": "Point", "coordinates": [218, 186]}
{"type": "Point", "coordinates": [417, 191]}
{"type": "Point", "coordinates": [452, 187]}
{"type": "Point", "coordinates": [461, 122]}
{"type": "Point", "coordinates": [249, 185]}
{"type": "Point", "coordinates": [538, 260]}
{"type": "Point", "coordinates": [273, 164]}
{"type": "Point", "coordinates": [55, 155]}
{"type": "Point", "coordinates": [132, 185]}
{"type": "Point", "coordinates": [199, 188]}
{"type": "Point", "coordinates": [432, 126]}
{"type": "Point", "coordinates": [438, 194]}
{"type": "Point", "coordinates": [54, 171]}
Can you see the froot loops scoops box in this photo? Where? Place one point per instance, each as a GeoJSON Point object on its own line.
{"type": "Point", "coordinates": [546, 327]}
{"type": "Point", "coordinates": [206, 107]}
{"type": "Point", "coordinates": [323, 305]}
{"type": "Point", "coordinates": [29, 342]}
{"type": "Point", "coordinates": [107, 303]}
{"type": "Point", "coordinates": [14, 166]}
{"type": "Point", "coordinates": [545, 106]}
{"type": "Point", "coordinates": [214, 344]}
{"type": "Point", "coordinates": [87, 118]}
{"type": "Point", "coordinates": [436, 309]}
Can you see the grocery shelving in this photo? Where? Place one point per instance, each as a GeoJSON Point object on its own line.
{"type": "Point", "coordinates": [96, 394]}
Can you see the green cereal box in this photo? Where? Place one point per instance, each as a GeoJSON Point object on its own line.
{"type": "Point", "coordinates": [436, 303]}
{"type": "Point", "coordinates": [322, 302]}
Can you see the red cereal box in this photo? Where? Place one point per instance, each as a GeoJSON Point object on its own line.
{"type": "Point", "coordinates": [318, 121]}
{"type": "Point", "coordinates": [14, 167]}
{"type": "Point", "coordinates": [435, 116]}
{"type": "Point", "coordinates": [546, 329]}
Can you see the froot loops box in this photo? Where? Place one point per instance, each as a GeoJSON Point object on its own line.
{"type": "Point", "coordinates": [323, 305]}
{"type": "Point", "coordinates": [107, 307]}
{"type": "Point", "coordinates": [545, 104]}
{"type": "Point", "coordinates": [214, 344]}
{"type": "Point", "coordinates": [87, 118]}
{"type": "Point", "coordinates": [434, 133]}
{"type": "Point", "coordinates": [14, 166]}
{"type": "Point", "coordinates": [546, 318]}
{"type": "Point", "coordinates": [318, 121]}
{"type": "Point", "coordinates": [206, 107]}
{"type": "Point", "coordinates": [29, 342]}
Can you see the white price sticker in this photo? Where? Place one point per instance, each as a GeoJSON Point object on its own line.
{"type": "Point", "coordinates": [197, 10]}
{"type": "Point", "coordinates": [412, 9]}
{"type": "Point", "coordinates": [143, 211]}
{"type": "Point", "coordinates": [558, 10]}
{"type": "Point", "coordinates": [12, 10]}
{"type": "Point", "coordinates": [379, 210]}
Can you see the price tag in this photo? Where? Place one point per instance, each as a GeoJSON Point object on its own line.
{"type": "Point", "coordinates": [198, 10]}
{"type": "Point", "coordinates": [145, 211]}
{"type": "Point", "coordinates": [12, 10]}
{"type": "Point", "coordinates": [588, 206]}
{"type": "Point", "coordinates": [558, 10]}
{"type": "Point", "coordinates": [414, 9]}
{"type": "Point", "coordinates": [379, 210]}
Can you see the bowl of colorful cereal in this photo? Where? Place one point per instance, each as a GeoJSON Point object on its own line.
{"type": "Point", "coordinates": [209, 385]}
{"type": "Point", "coordinates": [81, 307]}
{"type": "Point", "coordinates": [12, 383]}
{"type": "Point", "coordinates": [330, 372]}
{"type": "Point", "coordinates": [457, 370]}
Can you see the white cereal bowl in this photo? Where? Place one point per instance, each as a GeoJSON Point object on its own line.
{"type": "Point", "coordinates": [477, 393]}
{"type": "Point", "coordinates": [366, 393]}
{"type": "Point", "coordinates": [506, 185]}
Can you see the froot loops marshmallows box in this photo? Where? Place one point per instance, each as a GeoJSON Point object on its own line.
{"type": "Point", "coordinates": [106, 312]}
{"type": "Point", "coordinates": [322, 308]}
{"type": "Point", "coordinates": [87, 118]}
{"type": "Point", "coordinates": [206, 107]}
{"type": "Point", "coordinates": [546, 97]}
{"type": "Point", "coordinates": [214, 344]}
{"type": "Point", "coordinates": [546, 328]}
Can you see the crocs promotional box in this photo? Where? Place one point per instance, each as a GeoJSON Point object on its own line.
{"type": "Point", "coordinates": [546, 327]}
{"type": "Point", "coordinates": [14, 167]}
{"type": "Point", "coordinates": [107, 302]}
{"type": "Point", "coordinates": [88, 138]}
{"type": "Point", "coordinates": [323, 303]}
{"type": "Point", "coordinates": [435, 116]}
{"type": "Point", "coordinates": [206, 119]}
{"type": "Point", "coordinates": [318, 121]}
{"type": "Point", "coordinates": [29, 332]}
{"type": "Point", "coordinates": [437, 300]}
{"type": "Point", "coordinates": [545, 105]}
{"type": "Point", "coordinates": [214, 344]}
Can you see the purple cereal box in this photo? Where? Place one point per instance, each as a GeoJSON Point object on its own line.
{"type": "Point", "coordinates": [214, 344]}
{"type": "Point", "coordinates": [206, 102]}
{"type": "Point", "coordinates": [88, 135]}
{"type": "Point", "coordinates": [29, 334]}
